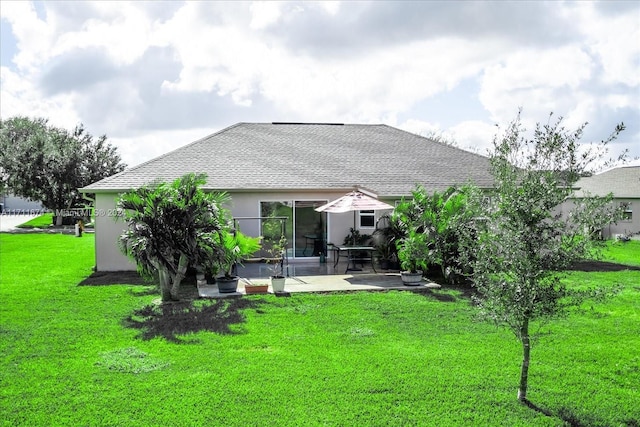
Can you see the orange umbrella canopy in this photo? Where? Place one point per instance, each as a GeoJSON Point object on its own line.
{"type": "Point", "coordinates": [354, 201]}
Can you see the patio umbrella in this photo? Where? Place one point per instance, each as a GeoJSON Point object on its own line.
{"type": "Point", "coordinates": [354, 201]}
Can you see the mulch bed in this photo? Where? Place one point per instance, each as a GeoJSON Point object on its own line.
{"type": "Point", "coordinates": [603, 266]}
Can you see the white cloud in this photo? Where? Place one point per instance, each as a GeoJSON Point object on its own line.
{"type": "Point", "coordinates": [19, 97]}
{"type": "Point", "coordinates": [143, 147]}
{"type": "Point", "coordinates": [33, 35]}
{"type": "Point", "coordinates": [474, 135]}
{"type": "Point", "coordinates": [138, 70]}
{"type": "Point", "coordinates": [265, 13]}
{"type": "Point", "coordinates": [616, 42]}
{"type": "Point", "coordinates": [331, 7]}
{"type": "Point", "coordinates": [123, 30]}
{"type": "Point", "coordinates": [535, 79]}
{"type": "Point", "coordinates": [420, 127]}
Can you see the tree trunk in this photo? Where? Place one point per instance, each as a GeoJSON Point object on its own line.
{"type": "Point", "coordinates": [165, 284]}
{"type": "Point", "coordinates": [526, 353]}
{"type": "Point", "coordinates": [183, 263]}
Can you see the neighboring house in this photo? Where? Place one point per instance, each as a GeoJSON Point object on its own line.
{"type": "Point", "coordinates": [288, 169]}
{"type": "Point", "coordinates": [624, 183]}
{"type": "Point", "coordinates": [19, 205]}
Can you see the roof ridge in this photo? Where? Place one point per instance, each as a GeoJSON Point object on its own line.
{"type": "Point", "coordinates": [276, 123]}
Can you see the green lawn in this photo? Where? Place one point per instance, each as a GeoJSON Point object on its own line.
{"type": "Point", "coordinates": [107, 356]}
{"type": "Point", "coordinates": [623, 252]}
{"type": "Point", "coordinates": [42, 221]}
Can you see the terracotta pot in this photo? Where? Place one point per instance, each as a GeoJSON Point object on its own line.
{"type": "Point", "coordinates": [256, 289]}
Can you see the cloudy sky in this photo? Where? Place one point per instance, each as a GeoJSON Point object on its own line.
{"type": "Point", "coordinates": [153, 76]}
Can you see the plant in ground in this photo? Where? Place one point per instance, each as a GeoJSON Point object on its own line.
{"type": "Point", "coordinates": [526, 244]}
{"type": "Point", "coordinates": [174, 226]}
{"type": "Point", "coordinates": [441, 217]}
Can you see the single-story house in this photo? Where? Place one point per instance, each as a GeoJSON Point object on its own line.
{"type": "Point", "coordinates": [289, 169]}
{"type": "Point", "coordinates": [624, 183]}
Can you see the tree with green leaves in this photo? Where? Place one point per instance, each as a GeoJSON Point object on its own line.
{"type": "Point", "coordinates": [49, 164]}
{"type": "Point", "coordinates": [172, 226]}
{"type": "Point", "coordinates": [524, 244]}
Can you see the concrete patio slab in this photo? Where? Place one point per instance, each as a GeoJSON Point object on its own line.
{"type": "Point", "coordinates": [327, 283]}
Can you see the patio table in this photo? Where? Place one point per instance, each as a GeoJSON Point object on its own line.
{"type": "Point", "coordinates": [353, 254]}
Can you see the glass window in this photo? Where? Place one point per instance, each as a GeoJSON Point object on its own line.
{"type": "Point", "coordinates": [304, 228]}
{"type": "Point", "coordinates": [367, 219]}
{"type": "Point", "coordinates": [627, 211]}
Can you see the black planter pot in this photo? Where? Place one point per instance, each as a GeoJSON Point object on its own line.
{"type": "Point", "coordinates": [227, 285]}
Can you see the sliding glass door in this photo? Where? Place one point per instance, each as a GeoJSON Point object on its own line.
{"type": "Point", "coordinates": [305, 229]}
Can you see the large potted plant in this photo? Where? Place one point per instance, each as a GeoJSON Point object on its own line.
{"type": "Point", "coordinates": [276, 259]}
{"type": "Point", "coordinates": [413, 253]}
{"type": "Point", "coordinates": [237, 247]}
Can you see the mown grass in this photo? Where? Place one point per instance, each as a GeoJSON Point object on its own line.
{"type": "Point", "coordinates": [623, 252]}
{"type": "Point", "coordinates": [42, 221]}
{"type": "Point", "coordinates": [107, 355]}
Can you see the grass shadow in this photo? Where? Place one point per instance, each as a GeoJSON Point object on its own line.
{"type": "Point", "coordinates": [601, 266]}
{"type": "Point", "coordinates": [188, 288]}
{"type": "Point", "coordinates": [572, 419]}
{"type": "Point", "coordinates": [442, 295]}
{"type": "Point", "coordinates": [106, 278]}
{"type": "Point", "coordinates": [171, 320]}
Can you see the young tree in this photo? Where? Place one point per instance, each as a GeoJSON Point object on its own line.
{"type": "Point", "coordinates": [526, 243]}
{"type": "Point", "coordinates": [48, 164]}
{"type": "Point", "coordinates": [172, 226]}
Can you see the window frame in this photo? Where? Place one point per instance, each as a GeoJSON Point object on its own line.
{"type": "Point", "coordinates": [627, 211]}
{"type": "Point", "coordinates": [364, 214]}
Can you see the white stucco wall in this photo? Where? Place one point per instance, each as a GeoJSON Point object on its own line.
{"type": "Point", "coordinates": [625, 226]}
{"type": "Point", "coordinates": [621, 227]}
{"type": "Point", "coordinates": [109, 257]}
{"type": "Point", "coordinates": [107, 229]}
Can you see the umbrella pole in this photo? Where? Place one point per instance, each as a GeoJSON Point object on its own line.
{"type": "Point", "coordinates": [354, 229]}
{"type": "Point", "coordinates": [353, 261]}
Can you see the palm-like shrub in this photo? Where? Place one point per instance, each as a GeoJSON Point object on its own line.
{"type": "Point", "coordinates": [172, 226]}
{"type": "Point", "coordinates": [414, 252]}
{"type": "Point", "coordinates": [236, 248]}
{"type": "Point", "coordinates": [438, 221]}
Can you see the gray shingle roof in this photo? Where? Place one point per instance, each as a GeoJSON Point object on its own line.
{"type": "Point", "coordinates": [623, 182]}
{"type": "Point", "coordinates": [266, 156]}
